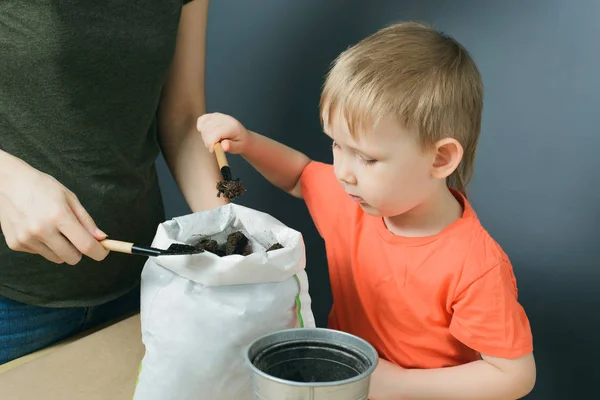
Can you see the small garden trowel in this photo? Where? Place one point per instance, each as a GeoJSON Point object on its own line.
{"type": "Point", "coordinates": [132, 248]}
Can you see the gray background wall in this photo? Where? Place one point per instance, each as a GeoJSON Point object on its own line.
{"type": "Point", "coordinates": [535, 188]}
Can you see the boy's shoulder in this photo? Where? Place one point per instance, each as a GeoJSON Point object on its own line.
{"type": "Point", "coordinates": [317, 170]}
{"type": "Point", "coordinates": [478, 254]}
{"type": "Point", "coordinates": [323, 195]}
{"type": "Point", "coordinates": [462, 253]}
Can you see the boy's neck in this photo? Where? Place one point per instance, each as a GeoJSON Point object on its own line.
{"type": "Point", "coordinates": [428, 218]}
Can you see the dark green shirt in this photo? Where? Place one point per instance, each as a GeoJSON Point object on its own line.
{"type": "Point", "coordinates": [80, 82]}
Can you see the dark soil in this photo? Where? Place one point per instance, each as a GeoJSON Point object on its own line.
{"type": "Point", "coordinates": [237, 243]}
{"type": "Point", "coordinates": [275, 247]}
{"type": "Point", "coordinates": [211, 246]}
{"type": "Point", "coordinates": [208, 245]}
{"type": "Point", "coordinates": [230, 189]}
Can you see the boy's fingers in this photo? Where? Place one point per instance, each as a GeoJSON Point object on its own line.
{"type": "Point", "coordinates": [226, 145]}
{"type": "Point", "coordinates": [208, 130]}
{"type": "Point", "coordinates": [231, 146]}
{"type": "Point", "coordinates": [214, 130]}
{"type": "Point", "coordinates": [207, 122]}
{"type": "Point", "coordinates": [203, 119]}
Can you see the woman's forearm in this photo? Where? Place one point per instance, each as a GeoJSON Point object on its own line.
{"type": "Point", "coordinates": [183, 100]}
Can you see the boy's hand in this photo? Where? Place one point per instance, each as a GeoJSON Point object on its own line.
{"type": "Point", "coordinates": [217, 127]}
{"type": "Point", "coordinates": [281, 165]}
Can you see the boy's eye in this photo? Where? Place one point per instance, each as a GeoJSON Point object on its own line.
{"type": "Point", "coordinates": [363, 160]}
{"type": "Point", "coordinates": [367, 161]}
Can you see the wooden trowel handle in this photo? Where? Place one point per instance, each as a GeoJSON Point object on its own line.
{"type": "Point", "coordinates": [117, 245]}
{"type": "Point", "coordinates": [221, 159]}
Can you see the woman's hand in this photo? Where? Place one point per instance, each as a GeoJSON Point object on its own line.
{"type": "Point", "coordinates": [39, 215]}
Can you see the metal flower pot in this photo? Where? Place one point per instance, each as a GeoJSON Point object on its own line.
{"type": "Point", "coordinates": [311, 364]}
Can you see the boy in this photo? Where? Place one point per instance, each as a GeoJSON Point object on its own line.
{"type": "Point", "coordinates": [412, 270]}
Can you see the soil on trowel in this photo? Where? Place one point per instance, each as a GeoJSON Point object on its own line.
{"type": "Point", "coordinates": [275, 246]}
{"type": "Point", "coordinates": [230, 189]}
{"type": "Point", "coordinates": [211, 246]}
{"type": "Point", "coordinates": [208, 245]}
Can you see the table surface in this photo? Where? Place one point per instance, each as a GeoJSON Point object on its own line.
{"type": "Point", "coordinates": [100, 365]}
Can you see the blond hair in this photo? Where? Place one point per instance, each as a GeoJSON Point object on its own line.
{"type": "Point", "coordinates": [421, 76]}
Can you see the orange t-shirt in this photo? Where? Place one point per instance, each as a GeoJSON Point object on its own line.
{"type": "Point", "coordinates": [422, 302]}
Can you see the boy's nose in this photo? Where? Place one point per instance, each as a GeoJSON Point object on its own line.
{"type": "Point", "coordinates": [343, 171]}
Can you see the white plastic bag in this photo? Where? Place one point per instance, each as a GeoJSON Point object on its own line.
{"type": "Point", "coordinates": [200, 311]}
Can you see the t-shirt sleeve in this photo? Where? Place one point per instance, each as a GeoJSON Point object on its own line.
{"type": "Point", "coordinates": [322, 194]}
{"type": "Point", "coordinates": [488, 317]}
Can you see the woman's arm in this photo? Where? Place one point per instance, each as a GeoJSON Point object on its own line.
{"type": "Point", "coordinates": [183, 101]}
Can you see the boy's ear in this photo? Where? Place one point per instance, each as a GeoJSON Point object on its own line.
{"type": "Point", "coordinates": [448, 153]}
